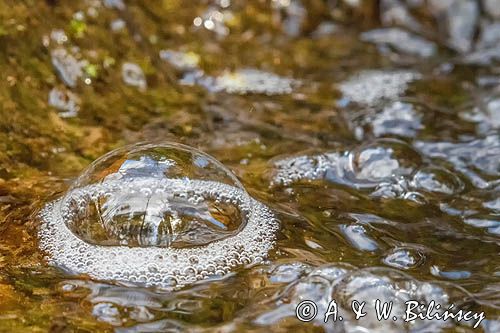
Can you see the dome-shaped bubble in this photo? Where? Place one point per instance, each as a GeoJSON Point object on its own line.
{"type": "Point", "coordinates": [381, 160]}
{"type": "Point", "coordinates": [150, 211]}
{"type": "Point", "coordinates": [437, 180]}
{"type": "Point", "coordinates": [133, 205]}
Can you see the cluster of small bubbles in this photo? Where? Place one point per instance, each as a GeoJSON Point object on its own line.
{"type": "Point", "coordinates": [366, 166]}
{"type": "Point", "coordinates": [164, 215]}
{"type": "Point", "coordinates": [243, 81]}
{"type": "Point", "coordinates": [293, 169]}
{"type": "Point", "coordinates": [372, 86]}
{"type": "Point", "coordinates": [69, 68]}
{"type": "Point", "coordinates": [345, 284]}
{"type": "Point", "coordinates": [133, 75]}
{"type": "Point", "coordinates": [182, 61]}
{"type": "Point", "coordinates": [65, 101]}
{"type": "Point", "coordinates": [388, 168]}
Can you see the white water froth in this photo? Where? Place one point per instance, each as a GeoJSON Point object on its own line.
{"type": "Point", "coordinates": [163, 267]}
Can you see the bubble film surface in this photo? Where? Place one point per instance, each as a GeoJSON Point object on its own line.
{"type": "Point", "coordinates": [164, 215]}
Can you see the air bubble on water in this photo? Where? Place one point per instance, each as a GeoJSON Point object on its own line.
{"type": "Point", "coordinates": [372, 86]}
{"type": "Point", "coordinates": [390, 168]}
{"type": "Point", "coordinates": [437, 180]}
{"type": "Point", "coordinates": [69, 68]}
{"type": "Point", "coordinates": [382, 159]}
{"type": "Point", "coordinates": [133, 75]}
{"type": "Point", "coordinates": [145, 212]}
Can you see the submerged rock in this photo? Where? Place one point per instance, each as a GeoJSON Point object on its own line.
{"type": "Point", "coordinates": [164, 215]}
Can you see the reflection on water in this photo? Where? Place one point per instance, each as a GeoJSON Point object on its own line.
{"type": "Point", "coordinates": [370, 128]}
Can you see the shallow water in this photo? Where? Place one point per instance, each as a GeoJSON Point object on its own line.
{"type": "Point", "coordinates": [370, 128]}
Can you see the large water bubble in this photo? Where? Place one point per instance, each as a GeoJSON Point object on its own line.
{"type": "Point", "coordinates": [162, 214]}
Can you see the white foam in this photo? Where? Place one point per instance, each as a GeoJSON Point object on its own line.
{"type": "Point", "coordinates": [371, 86]}
{"type": "Point", "coordinates": [164, 267]}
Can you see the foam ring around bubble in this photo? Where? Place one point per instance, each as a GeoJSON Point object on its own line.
{"type": "Point", "coordinates": [164, 267]}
